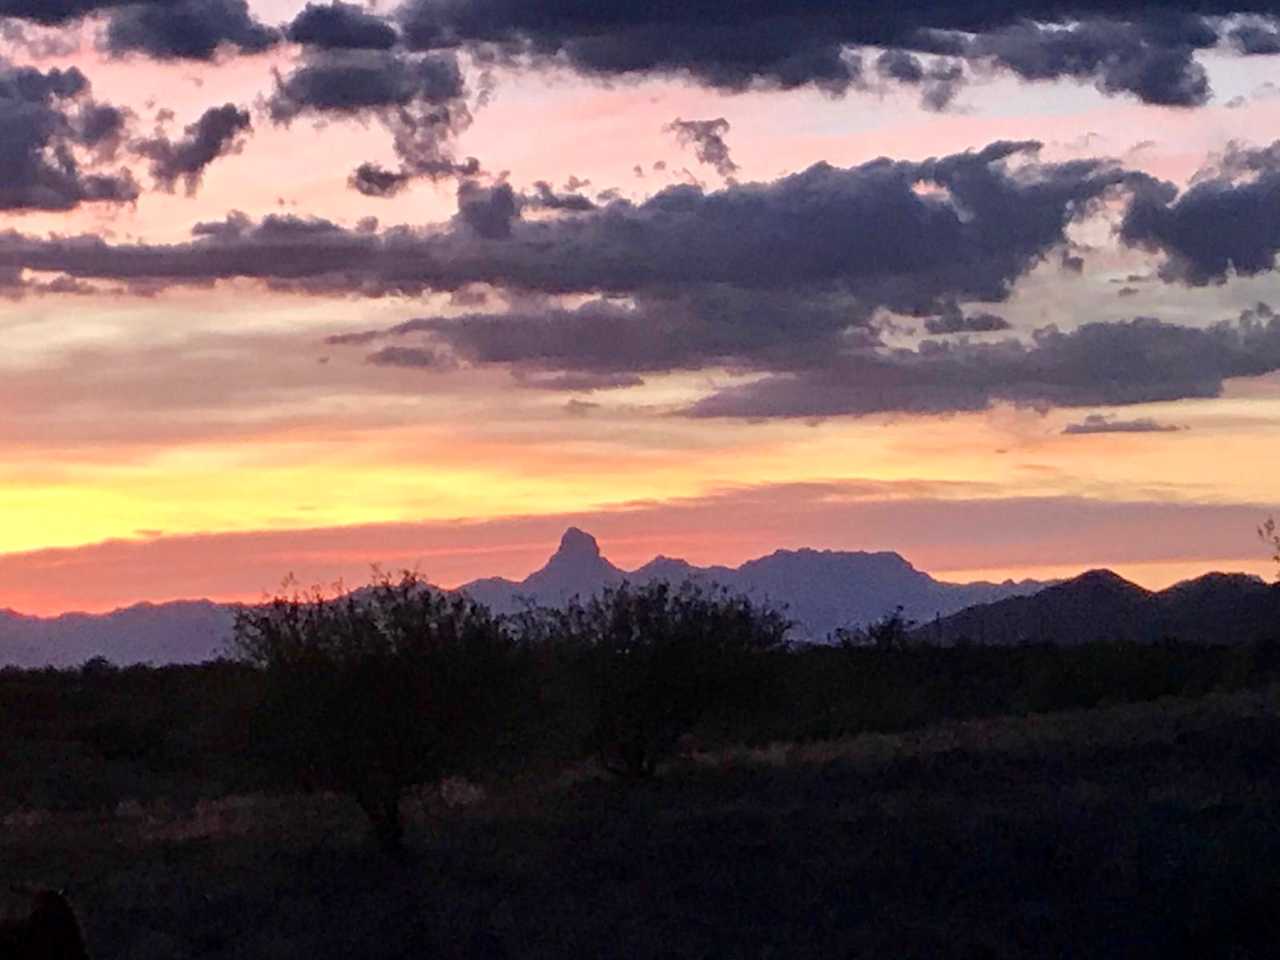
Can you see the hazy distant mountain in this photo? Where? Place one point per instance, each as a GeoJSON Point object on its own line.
{"type": "Point", "coordinates": [1100, 605]}
{"type": "Point", "coordinates": [820, 589]}
{"type": "Point", "coordinates": [826, 589]}
{"type": "Point", "coordinates": [179, 632]}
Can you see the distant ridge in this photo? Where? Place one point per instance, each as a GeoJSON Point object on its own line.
{"type": "Point", "coordinates": [182, 631]}
{"type": "Point", "coordinates": [820, 589]}
{"type": "Point", "coordinates": [1217, 608]}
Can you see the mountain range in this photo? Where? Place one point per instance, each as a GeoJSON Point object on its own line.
{"type": "Point", "coordinates": [184, 631]}
{"type": "Point", "coordinates": [1218, 608]}
{"type": "Point", "coordinates": [819, 591]}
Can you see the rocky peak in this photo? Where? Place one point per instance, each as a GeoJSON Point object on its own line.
{"type": "Point", "coordinates": [577, 545]}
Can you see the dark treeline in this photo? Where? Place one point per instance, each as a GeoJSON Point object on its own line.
{"type": "Point", "coordinates": [397, 685]}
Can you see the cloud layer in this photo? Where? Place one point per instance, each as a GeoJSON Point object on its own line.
{"type": "Point", "coordinates": [216, 133]}
{"type": "Point", "coordinates": [1227, 221]}
{"type": "Point", "coordinates": [1101, 423]}
{"type": "Point", "coordinates": [867, 230]}
{"type": "Point", "coordinates": [1098, 364]}
{"type": "Point", "coordinates": [187, 30]}
{"type": "Point", "coordinates": [1122, 47]}
{"type": "Point", "coordinates": [420, 99]}
{"type": "Point", "coordinates": [783, 279]}
{"type": "Point", "coordinates": [55, 139]}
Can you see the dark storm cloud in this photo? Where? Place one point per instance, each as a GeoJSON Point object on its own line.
{"type": "Point", "coordinates": [1101, 423]}
{"type": "Point", "coordinates": [48, 119]}
{"type": "Point", "coordinates": [655, 333]}
{"type": "Point", "coordinates": [360, 338]}
{"type": "Point", "coordinates": [578, 382]}
{"type": "Point", "coordinates": [941, 85]}
{"type": "Point", "coordinates": [101, 127]}
{"type": "Point", "coordinates": [415, 357]}
{"type": "Point", "coordinates": [11, 282]}
{"type": "Point", "coordinates": [215, 134]}
{"type": "Point", "coordinates": [342, 26]}
{"type": "Point", "coordinates": [418, 98]}
{"type": "Point", "coordinates": [901, 66]}
{"type": "Point", "coordinates": [64, 11]}
{"type": "Point", "coordinates": [374, 180]}
{"type": "Point", "coordinates": [15, 286]}
{"type": "Point", "coordinates": [955, 320]}
{"type": "Point", "coordinates": [940, 82]}
{"type": "Point", "coordinates": [866, 231]}
{"type": "Point", "coordinates": [350, 82]}
{"type": "Point", "coordinates": [487, 211]}
{"type": "Point", "coordinates": [544, 197]}
{"type": "Point", "coordinates": [717, 46]}
{"type": "Point", "coordinates": [1256, 39]}
{"type": "Point", "coordinates": [1098, 364]}
{"type": "Point", "coordinates": [707, 139]}
{"type": "Point", "coordinates": [187, 30]}
{"type": "Point", "coordinates": [1124, 46]}
{"type": "Point", "coordinates": [1152, 60]}
{"type": "Point", "coordinates": [286, 251]}
{"type": "Point", "coordinates": [1227, 220]}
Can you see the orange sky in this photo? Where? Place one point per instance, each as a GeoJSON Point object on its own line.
{"type": "Point", "coordinates": [207, 440]}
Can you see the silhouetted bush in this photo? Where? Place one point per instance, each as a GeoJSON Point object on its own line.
{"type": "Point", "coordinates": [656, 659]}
{"type": "Point", "coordinates": [399, 685]}
{"type": "Point", "coordinates": [375, 691]}
{"type": "Point", "coordinates": [49, 932]}
{"type": "Point", "coordinates": [890, 632]}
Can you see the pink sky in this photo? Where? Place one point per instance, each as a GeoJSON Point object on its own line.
{"type": "Point", "coordinates": [206, 440]}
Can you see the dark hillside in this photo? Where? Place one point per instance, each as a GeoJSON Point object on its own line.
{"type": "Point", "coordinates": [1100, 606]}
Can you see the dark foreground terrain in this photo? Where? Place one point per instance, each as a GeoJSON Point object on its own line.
{"type": "Point", "coordinates": [1140, 830]}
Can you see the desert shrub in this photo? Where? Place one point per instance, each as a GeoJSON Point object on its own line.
{"type": "Point", "coordinates": [657, 659]}
{"type": "Point", "coordinates": [890, 632]}
{"type": "Point", "coordinates": [554, 708]}
{"type": "Point", "coordinates": [369, 693]}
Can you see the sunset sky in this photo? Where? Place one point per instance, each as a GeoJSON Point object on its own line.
{"type": "Point", "coordinates": [302, 288]}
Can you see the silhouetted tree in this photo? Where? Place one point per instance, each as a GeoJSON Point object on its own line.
{"type": "Point", "coordinates": [1270, 534]}
{"type": "Point", "coordinates": [372, 692]}
{"type": "Point", "coordinates": [658, 658]}
{"type": "Point", "coordinates": [890, 632]}
{"type": "Point", "coordinates": [49, 932]}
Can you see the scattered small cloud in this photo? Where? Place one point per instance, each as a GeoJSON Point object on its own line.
{"type": "Point", "coordinates": [707, 139]}
{"type": "Point", "coordinates": [1102, 423]}
{"type": "Point", "coordinates": [217, 133]}
{"type": "Point", "coordinates": [186, 30]}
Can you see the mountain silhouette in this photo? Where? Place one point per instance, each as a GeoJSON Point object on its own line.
{"type": "Point", "coordinates": [184, 631]}
{"type": "Point", "coordinates": [819, 589]}
{"type": "Point", "coordinates": [577, 568]}
{"type": "Point", "coordinates": [1100, 605]}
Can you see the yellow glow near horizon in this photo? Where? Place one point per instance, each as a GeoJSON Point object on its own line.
{"type": "Point", "coordinates": [308, 478]}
